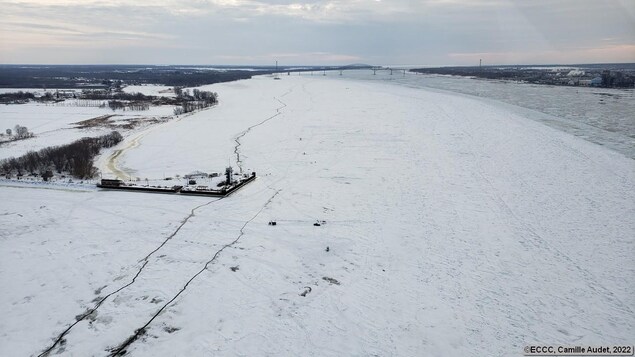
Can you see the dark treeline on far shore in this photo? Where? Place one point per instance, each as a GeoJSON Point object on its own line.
{"type": "Point", "coordinates": [105, 76]}
{"type": "Point", "coordinates": [595, 75]}
{"type": "Point", "coordinates": [75, 158]}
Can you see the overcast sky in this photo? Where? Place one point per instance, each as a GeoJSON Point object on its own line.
{"type": "Point", "coordinates": [424, 32]}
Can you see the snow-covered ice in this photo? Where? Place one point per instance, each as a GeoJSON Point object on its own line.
{"type": "Point", "coordinates": [455, 227]}
{"type": "Point", "coordinates": [600, 115]}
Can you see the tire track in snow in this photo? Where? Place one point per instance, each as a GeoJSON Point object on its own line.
{"type": "Point", "coordinates": [243, 133]}
{"type": "Point", "coordinates": [121, 349]}
{"type": "Point", "coordinates": [145, 261]}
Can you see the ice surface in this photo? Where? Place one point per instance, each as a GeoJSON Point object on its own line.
{"type": "Point", "coordinates": [601, 115]}
{"type": "Point", "coordinates": [455, 227]}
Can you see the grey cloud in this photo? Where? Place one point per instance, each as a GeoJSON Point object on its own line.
{"type": "Point", "coordinates": [432, 31]}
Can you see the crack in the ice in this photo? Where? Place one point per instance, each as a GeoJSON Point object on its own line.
{"type": "Point", "coordinates": [239, 162]}
{"type": "Point", "coordinates": [121, 349]}
{"type": "Point", "coordinates": [145, 261]}
{"type": "Point", "coordinates": [88, 313]}
{"type": "Point", "coordinates": [192, 212]}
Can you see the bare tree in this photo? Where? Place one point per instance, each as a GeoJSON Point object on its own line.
{"type": "Point", "coordinates": [22, 132]}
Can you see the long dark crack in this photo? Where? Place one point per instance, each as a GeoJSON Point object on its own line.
{"type": "Point", "coordinates": [121, 349]}
{"type": "Point", "coordinates": [179, 228]}
{"type": "Point", "coordinates": [243, 133]}
{"type": "Point", "coordinates": [145, 261]}
{"type": "Point", "coordinates": [87, 313]}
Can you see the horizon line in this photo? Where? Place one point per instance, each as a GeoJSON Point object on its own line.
{"type": "Point", "coordinates": [312, 65]}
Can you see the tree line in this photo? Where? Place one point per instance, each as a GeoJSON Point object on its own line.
{"type": "Point", "coordinates": [103, 76]}
{"type": "Point", "coordinates": [19, 132]}
{"type": "Point", "coordinates": [75, 158]}
{"type": "Point", "coordinates": [185, 101]}
{"type": "Point", "coordinates": [16, 97]}
{"type": "Point", "coordinates": [190, 102]}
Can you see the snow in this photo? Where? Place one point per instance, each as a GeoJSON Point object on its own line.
{"type": "Point", "coordinates": [52, 124]}
{"type": "Point", "coordinates": [38, 91]}
{"type": "Point", "coordinates": [455, 227]}
{"type": "Point", "coordinates": [151, 89]}
{"type": "Point", "coordinates": [600, 115]}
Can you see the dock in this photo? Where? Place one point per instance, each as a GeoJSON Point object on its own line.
{"type": "Point", "coordinates": [223, 191]}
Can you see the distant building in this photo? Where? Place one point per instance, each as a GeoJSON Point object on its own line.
{"type": "Point", "coordinates": [596, 82]}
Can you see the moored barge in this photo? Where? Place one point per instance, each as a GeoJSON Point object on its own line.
{"type": "Point", "coordinates": [121, 185]}
{"type": "Point", "coordinates": [224, 189]}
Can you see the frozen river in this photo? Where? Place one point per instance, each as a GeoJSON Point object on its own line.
{"type": "Point", "coordinates": [604, 116]}
{"type": "Point", "coordinates": [454, 227]}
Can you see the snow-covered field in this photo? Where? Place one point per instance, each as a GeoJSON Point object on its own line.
{"type": "Point", "coordinates": [52, 124]}
{"type": "Point", "coordinates": [151, 89]}
{"type": "Point", "coordinates": [454, 227]}
{"type": "Point", "coordinates": [37, 91]}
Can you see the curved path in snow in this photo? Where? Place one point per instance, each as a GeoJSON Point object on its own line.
{"type": "Point", "coordinates": [112, 162]}
{"type": "Point", "coordinates": [110, 165]}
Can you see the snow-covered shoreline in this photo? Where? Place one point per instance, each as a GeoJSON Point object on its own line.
{"type": "Point", "coordinates": [454, 227]}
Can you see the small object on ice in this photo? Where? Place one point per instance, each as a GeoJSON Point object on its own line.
{"type": "Point", "coordinates": [331, 280]}
{"type": "Point", "coordinates": [191, 182]}
{"type": "Point", "coordinates": [234, 268]}
{"type": "Point", "coordinates": [327, 248]}
{"type": "Point", "coordinates": [272, 223]}
{"type": "Point", "coordinates": [170, 329]}
{"type": "Point", "coordinates": [317, 224]}
{"type": "Point", "coordinates": [307, 289]}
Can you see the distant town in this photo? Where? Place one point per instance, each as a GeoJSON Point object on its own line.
{"type": "Point", "coordinates": [594, 75]}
